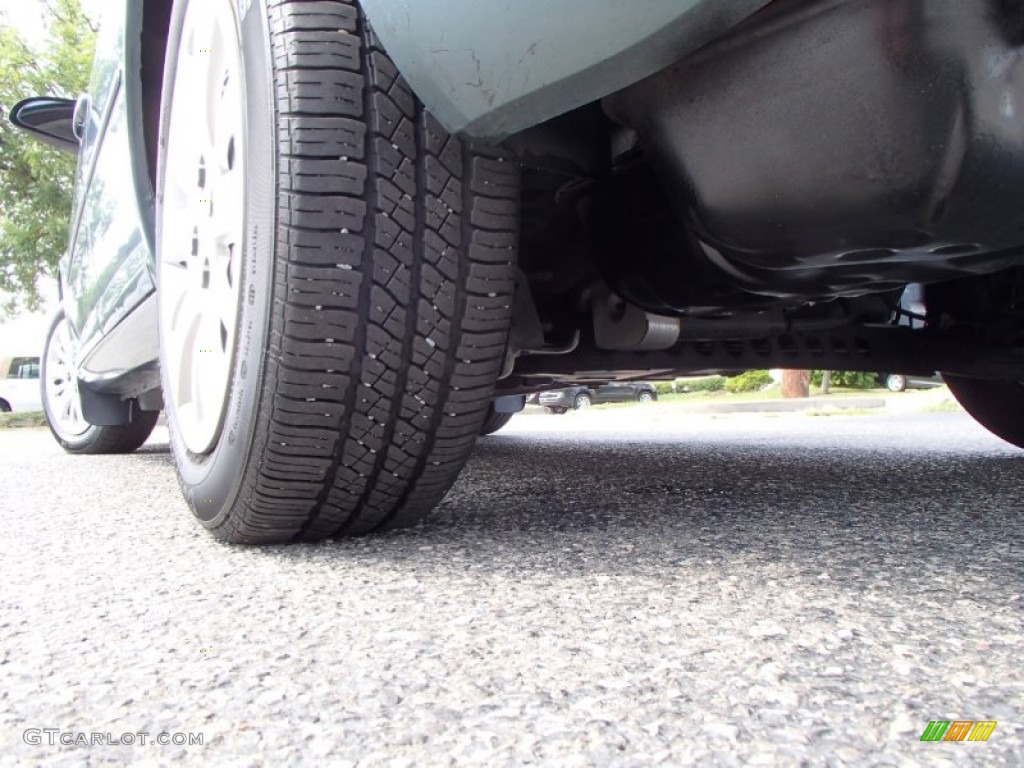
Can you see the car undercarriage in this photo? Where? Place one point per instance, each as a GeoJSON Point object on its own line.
{"type": "Point", "coordinates": [765, 202]}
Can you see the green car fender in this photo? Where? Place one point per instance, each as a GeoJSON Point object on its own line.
{"type": "Point", "coordinates": [490, 68]}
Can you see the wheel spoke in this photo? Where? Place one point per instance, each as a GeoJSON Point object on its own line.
{"type": "Point", "coordinates": [184, 347]}
{"type": "Point", "coordinates": [228, 207]}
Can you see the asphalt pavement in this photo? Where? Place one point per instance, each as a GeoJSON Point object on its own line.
{"type": "Point", "coordinates": [621, 587]}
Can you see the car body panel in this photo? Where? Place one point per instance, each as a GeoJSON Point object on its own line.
{"type": "Point", "coordinates": [620, 392]}
{"type": "Point", "coordinates": [490, 68]}
{"type": "Point", "coordinates": [613, 392]}
{"type": "Point", "coordinates": [560, 398]}
{"type": "Point", "coordinates": [108, 271]}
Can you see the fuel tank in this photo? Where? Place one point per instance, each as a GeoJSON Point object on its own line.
{"type": "Point", "coordinates": [840, 147]}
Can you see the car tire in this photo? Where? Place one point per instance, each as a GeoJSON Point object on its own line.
{"type": "Point", "coordinates": [646, 397]}
{"type": "Point", "coordinates": [363, 290]}
{"type": "Point", "coordinates": [558, 410]}
{"type": "Point", "coordinates": [896, 382]}
{"type": "Point", "coordinates": [995, 404]}
{"type": "Point", "coordinates": [582, 400]}
{"type": "Point", "coordinates": [4, 407]}
{"type": "Point", "coordinates": [63, 406]}
{"type": "Point", "coordinates": [495, 421]}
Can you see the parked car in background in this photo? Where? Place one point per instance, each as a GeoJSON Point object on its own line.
{"type": "Point", "coordinates": [900, 382]}
{"type": "Point", "coordinates": [19, 384]}
{"type": "Point", "coordinates": [575, 398]}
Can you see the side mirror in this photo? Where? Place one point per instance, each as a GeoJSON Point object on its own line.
{"type": "Point", "coordinates": [50, 120]}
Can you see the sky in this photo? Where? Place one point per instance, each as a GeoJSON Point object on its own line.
{"type": "Point", "coordinates": [27, 16]}
{"type": "Point", "coordinates": [26, 333]}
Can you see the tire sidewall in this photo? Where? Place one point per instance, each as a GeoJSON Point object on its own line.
{"type": "Point", "coordinates": [211, 481]}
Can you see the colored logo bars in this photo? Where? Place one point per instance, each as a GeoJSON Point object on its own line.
{"type": "Point", "coordinates": [958, 730]}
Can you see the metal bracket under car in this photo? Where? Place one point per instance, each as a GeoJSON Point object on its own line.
{"type": "Point", "coordinates": [868, 348]}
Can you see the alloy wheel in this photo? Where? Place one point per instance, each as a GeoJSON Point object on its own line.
{"type": "Point", "coordinates": [203, 223]}
{"type": "Point", "coordinates": [64, 403]}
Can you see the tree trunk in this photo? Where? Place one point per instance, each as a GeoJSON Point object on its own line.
{"type": "Point", "coordinates": [826, 382]}
{"type": "Point", "coordinates": [796, 384]}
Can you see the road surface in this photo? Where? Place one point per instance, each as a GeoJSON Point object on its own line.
{"type": "Point", "coordinates": [615, 587]}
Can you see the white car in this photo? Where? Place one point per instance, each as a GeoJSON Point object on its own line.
{"type": "Point", "coordinates": [19, 384]}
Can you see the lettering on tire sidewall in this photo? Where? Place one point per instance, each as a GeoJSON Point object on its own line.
{"type": "Point", "coordinates": [215, 479]}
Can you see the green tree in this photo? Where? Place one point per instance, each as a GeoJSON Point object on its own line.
{"type": "Point", "coordinates": [36, 180]}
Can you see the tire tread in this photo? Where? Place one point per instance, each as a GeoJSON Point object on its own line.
{"type": "Point", "coordinates": [394, 276]}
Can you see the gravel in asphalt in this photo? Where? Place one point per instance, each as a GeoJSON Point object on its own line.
{"type": "Point", "coordinates": [605, 588]}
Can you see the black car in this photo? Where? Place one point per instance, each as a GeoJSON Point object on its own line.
{"type": "Point", "coordinates": [900, 382]}
{"type": "Point", "coordinates": [574, 398]}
